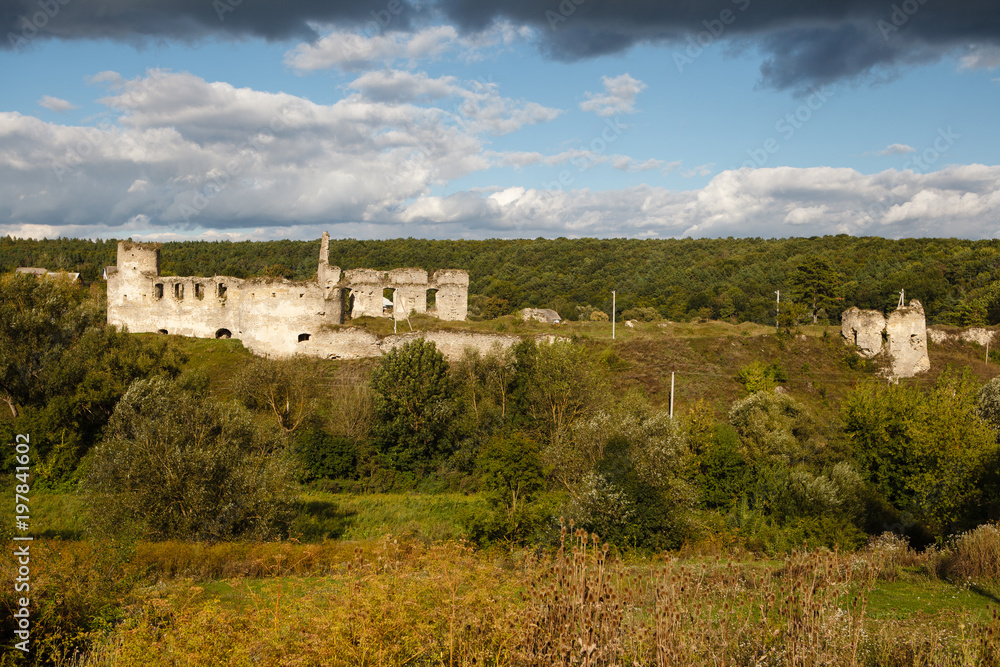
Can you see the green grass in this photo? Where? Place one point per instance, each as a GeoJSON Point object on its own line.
{"type": "Point", "coordinates": [220, 359]}
{"type": "Point", "coordinates": [429, 517]}
{"type": "Point", "coordinates": [900, 600]}
{"type": "Point", "coordinates": [53, 513]}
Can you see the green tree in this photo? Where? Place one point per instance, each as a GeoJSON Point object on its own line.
{"type": "Point", "coordinates": [39, 319]}
{"type": "Point", "coordinates": [559, 383]}
{"type": "Point", "coordinates": [180, 465]}
{"type": "Point", "coordinates": [817, 284]}
{"type": "Point", "coordinates": [927, 452]}
{"type": "Point", "coordinates": [414, 405]}
{"type": "Point", "coordinates": [284, 389]}
{"type": "Point", "coordinates": [511, 470]}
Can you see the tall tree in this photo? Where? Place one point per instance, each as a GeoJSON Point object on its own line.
{"type": "Point", "coordinates": [816, 283]}
{"type": "Point", "coordinates": [414, 404]}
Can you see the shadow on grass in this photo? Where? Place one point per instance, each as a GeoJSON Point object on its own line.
{"type": "Point", "coordinates": [318, 520]}
{"type": "Point", "coordinates": [67, 534]}
{"type": "Point", "coordinates": [989, 595]}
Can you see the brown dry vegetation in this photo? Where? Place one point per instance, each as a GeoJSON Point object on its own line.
{"type": "Point", "coordinates": [393, 602]}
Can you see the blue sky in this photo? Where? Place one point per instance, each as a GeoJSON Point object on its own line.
{"type": "Point", "coordinates": [469, 120]}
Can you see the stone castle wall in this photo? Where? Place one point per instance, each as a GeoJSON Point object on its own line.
{"type": "Point", "coordinates": [903, 335]}
{"type": "Point", "coordinates": [274, 316]}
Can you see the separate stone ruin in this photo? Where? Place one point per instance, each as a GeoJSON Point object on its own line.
{"type": "Point", "coordinates": [902, 336]}
{"type": "Point", "coordinates": [278, 317]}
{"type": "Point", "coordinates": [977, 335]}
{"type": "Point", "coordinates": [544, 315]}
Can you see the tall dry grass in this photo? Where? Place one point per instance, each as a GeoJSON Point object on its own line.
{"type": "Point", "coordinates": [401, 603]}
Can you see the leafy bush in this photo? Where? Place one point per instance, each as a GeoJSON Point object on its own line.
{"type": "Point", "coordinates": [599, 316]}
{"type": "Point", "coordinates": [177, 465]}
{"type": "Point", "coordinates": [929, 453]}
{"type": "Point", "coordinates": [646, 314]}
{"type": "Point", "coordinates": [757, 377]}
{"type": "Point", "coordinates": [771, 426]}
{"type": "Point", "coordinates": [325, 456]}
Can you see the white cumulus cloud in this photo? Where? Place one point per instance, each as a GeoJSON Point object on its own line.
{"type": "Point", "coordinates": [618, 96]}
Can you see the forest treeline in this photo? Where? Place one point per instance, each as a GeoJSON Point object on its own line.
{"type": "Point", "coordinates": [678, 279]}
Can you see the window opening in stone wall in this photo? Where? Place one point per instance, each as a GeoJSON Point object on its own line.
{"type": "Point", "coordinates": [158, 290]}
{"type": "Point", "coordinates": [347, 304]}
{"type": "Point", "coordinates": [199, 291]}
{"type": "Point", "coordinates": [178, 291]}
{"type": "Point", "coordinates": [223, 333]}
{"type": "Point", "coordinates": [222, 290]}
{"type": "Point", "coordinates": [303, 337]}
{"type": "Point", "coordinates": [432, 299]}
{"type": "Point", "coordinates": [388, 301]}
{"type": "Point", "coordinates": [162, 331]}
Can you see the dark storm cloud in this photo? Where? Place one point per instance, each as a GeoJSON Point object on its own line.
{"type": "Point", "coordinates": [803, 42]}
{"type": "Point", "coordinates": [128, 20]}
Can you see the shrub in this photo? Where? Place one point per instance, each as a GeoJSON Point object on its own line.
{"type": "Point", "coordinates": [177, 465]}
{"type": "Point", "coordinates": [757, 377]}
{"type": "Point", "coordinates": [599, 316]}
{"type": "Point", "coordinates": [768, 424]}
{"type": "Point", "coordinates": [646, 314]}
{"type": "Point", "coordinates": [325, 456]}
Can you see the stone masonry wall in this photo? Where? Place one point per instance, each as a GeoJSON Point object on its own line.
{"type": "Point", "coordinates": [274, 316]}
{"type": "Point", "coordinates": [904, 335]}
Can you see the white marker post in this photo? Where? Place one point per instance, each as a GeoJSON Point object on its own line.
{"type": "Point", "coordinates": [612, 314]}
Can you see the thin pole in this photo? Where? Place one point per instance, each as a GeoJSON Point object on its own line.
{"type": "Point", "coordinates": [987, 352]}
{"type": "Point", "coordinates": [671, 394]}
{"type": "Point", "coordinates": [777, 311]}
{"type": "Point", "coordinates": [613, 308]}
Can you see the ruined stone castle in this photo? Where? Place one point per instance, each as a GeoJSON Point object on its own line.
{"type": "Point", "coordinates": [278, 317]}
{"type": "Point", "coordinates": [903, 336]}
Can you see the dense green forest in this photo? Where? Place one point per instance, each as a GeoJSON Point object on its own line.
{"type": "Point", "coordinates": [727, 279]}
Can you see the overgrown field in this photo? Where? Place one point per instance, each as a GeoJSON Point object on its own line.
{"type": "Point", "coordinates": [395, 602]}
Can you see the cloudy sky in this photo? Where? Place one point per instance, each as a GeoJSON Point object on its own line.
{"type": "Point", "coordinates": [175, 119]}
